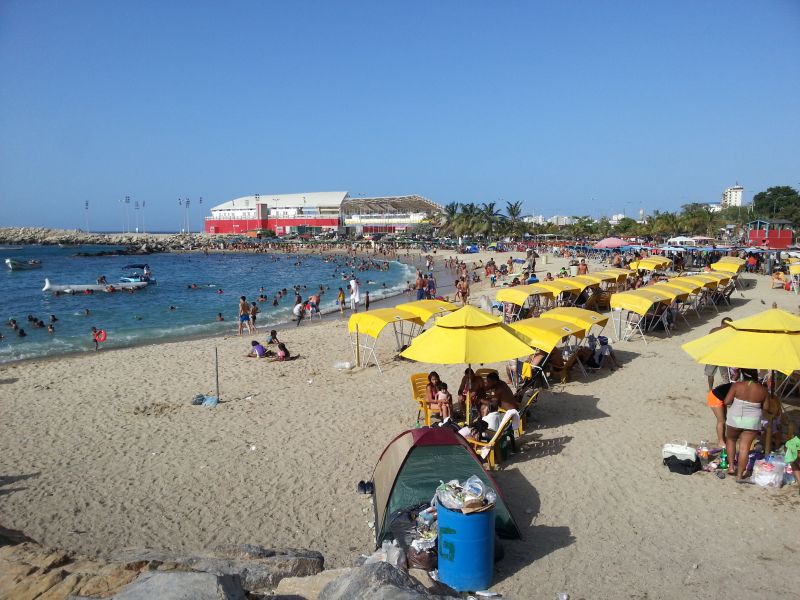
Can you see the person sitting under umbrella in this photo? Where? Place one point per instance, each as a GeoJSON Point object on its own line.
{"type": "Point", "coordinates": [498, 395]}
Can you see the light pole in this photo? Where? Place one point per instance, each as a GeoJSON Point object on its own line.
{"type": "Point", "coordinates": [180, 203]}
{"type": "Point", "coordinates": [127, 214]}
{"type": "Point", "coordinates": [257, 197]}
{"type": "Point", "coordinates": [136, 215]}
{"type": "Point", "coordinates": [86, 210]}
{"type": "Point", "coordinates": [188, 228]}
{"type": "Point", "coordinates": [143, 229]}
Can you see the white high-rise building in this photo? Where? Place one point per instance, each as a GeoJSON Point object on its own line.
{"type": "Point", "coordinates": [534, 219]}
{"type": "Point", "coordinates": [561, 220]}
{"type": "Point", "coordinates": [732, 196]}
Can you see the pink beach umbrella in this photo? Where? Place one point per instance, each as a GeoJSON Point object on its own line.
{"type": "Point", "coordinates": [611, 242]}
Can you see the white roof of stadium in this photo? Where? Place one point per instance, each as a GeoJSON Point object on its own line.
{"type": "Point", "coordinates": [318, 199]}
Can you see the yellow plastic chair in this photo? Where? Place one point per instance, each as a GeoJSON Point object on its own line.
{"type": "Point", "coordinates": [523, 412]}
{"type": "Point", "coordinates": [488, 450]}
{"type": "Point", "coordinates": [419, 392]}
{"type": "Point", "coordinates": [483, 373]}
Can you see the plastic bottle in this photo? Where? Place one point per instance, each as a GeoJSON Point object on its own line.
{"type": "Point", "coordinates": [723, 459]}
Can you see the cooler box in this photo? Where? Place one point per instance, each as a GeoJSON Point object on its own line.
{"type": "Point", "coordinates": [466, 549]}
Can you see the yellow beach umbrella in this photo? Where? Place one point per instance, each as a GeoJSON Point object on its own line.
{"type": "Point", "coordinates": [732, 259]}
{"type": "Point", "coordinates": [616, 274]}
{"type": "Point", "coordinates": [579, 317]}
{"type": "Point", "coordinates": [585, 281]}
{"type": "Point", "coordinates": [727, 267]}
{"type": "Point", "coordinates": [558, 286]}
{"type": "Point", "coordinates": [519, 294]}
{"type": "Point", "coordinates": [425, 309]}
{"type": "Point", "coordinates": [637, 301]}
{"type": "Point", "coordinates": [672, 291]}
{"type": "Point", "coordinates": [649, 264]}
{"type": "Point", "coordinates": [544, 333]}
{"type": "Point", "coordinates": [371, 323]}
{"type": "Point", "coordinates": [773, 320]}
{"type": "Point", "coordinates": [686, 284]}
{"type": "Point", "coordinates": [467, 336]}
{"type": "Point", "coordinates": [768, 340]}
{"type": "Point", "coordinates": [708, 282]}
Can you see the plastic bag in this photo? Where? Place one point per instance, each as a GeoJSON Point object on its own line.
{"type": "Point", "coordinates": [768, 474]}
{"type": "Point", "coordinates": [424, 558]}
{"type": "Point", "coordinates": [389, 552]}
{"type": "Point", "coordinates": [450, 495]}
{"type": "Point", "coordinates": [474, 489]}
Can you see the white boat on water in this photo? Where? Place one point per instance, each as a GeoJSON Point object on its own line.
{"type": "Point", "coordinates": [80, 288]}
{"type": "Point", "coordinates": [23, 265]}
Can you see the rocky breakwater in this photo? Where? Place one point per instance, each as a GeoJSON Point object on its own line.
{"type": "Point", "coordinates": [29, 571]}
{"type": "Point", "coordinates": [134, 243]}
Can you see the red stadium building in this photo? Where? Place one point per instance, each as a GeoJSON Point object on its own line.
{"type": "Point", "coordinates": [319, 212]}
{"type": "Point", "coordinates": [284, 214]}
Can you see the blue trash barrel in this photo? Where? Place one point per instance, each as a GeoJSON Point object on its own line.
{"type": "Point", "coordinates": [466, 549]}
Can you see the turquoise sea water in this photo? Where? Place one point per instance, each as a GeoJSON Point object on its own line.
{"type": "Point", "coordinates": [145, 316]}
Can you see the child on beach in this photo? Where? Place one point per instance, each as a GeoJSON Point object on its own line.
{"type": "Point", "coordinates": [273, 337]}
{"type": "Point", "coordinates": [445, 400]}
{"type": "Point", "coordinates": [256, 350]}
{"type": "Point", "coordinates": [340, 300]}
{"type": "Point", "coordinates": [366, 301]}
{"type": "Point", "coordinates": [283, 353]}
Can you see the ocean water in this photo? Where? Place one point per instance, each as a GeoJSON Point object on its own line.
{"type": "Point", "coordinates": [145, 316]}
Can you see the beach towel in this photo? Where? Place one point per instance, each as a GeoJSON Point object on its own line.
{"type": "Point", "coordinates": [792, 448]}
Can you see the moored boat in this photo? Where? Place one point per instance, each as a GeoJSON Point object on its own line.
{"type": "Point", "coordinates": [80, 288]}
{"type": "Point", "coordinates": [141, 273]}
{"type": "Point", "coordinates": [23, 265]}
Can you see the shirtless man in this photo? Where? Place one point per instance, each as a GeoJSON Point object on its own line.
{"type": "Point", "coordinates": [498, 395]}
{"type": "Point", "coordinates": [583, 268]}
{"type": "Point", "coordinates": [464, 290]}
{"type": "Point", "coordinates": [244, 314]}
{"type": "Point", "coordinates": [419, 286]}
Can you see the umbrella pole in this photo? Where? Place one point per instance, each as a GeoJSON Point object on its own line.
{"type": "Point", "coordinates": [469, 399]}
{"type": "Point", "coordinates": [358, 349]}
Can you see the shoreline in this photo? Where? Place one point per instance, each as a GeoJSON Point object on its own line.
{"type": "Point", "coordinates": [280, 325]}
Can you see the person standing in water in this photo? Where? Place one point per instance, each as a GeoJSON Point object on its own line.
{"type": "Point", "coordinates": [244, 314]}
{"type": "Point", "coordinates": [340, 300]}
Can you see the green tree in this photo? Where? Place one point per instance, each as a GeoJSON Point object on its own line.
{"type": "Point", "coordinates": [778, 202]}
{"type": "Point", "coordinates": [468, 219]}
{"type": "Point", "coordinates": [490, 218]}
{"type": "Point", "coordinates": [448, 219]}
{"type": "Point", "coordinates": [699, 219]}
{"type": "Point", "coordinates": [626, 226]}
{"type": "Point", "coordinates": [514, 223]}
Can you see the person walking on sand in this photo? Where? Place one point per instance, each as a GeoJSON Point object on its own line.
{"type": "Point", "coordinates": [244, 313]}
{"type": "Point", "coordinates": [366, 301]}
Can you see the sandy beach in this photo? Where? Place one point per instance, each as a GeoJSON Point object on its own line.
{"type": "Point", "coordinates": [104, 451]}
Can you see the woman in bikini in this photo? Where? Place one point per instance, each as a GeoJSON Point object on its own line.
{"type": "Point", "coordinates": [745, 400]}
{"type": "Point", "coordinates": [432, 392]}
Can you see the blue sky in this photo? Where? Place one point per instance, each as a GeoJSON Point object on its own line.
{"type": "Point", "coordinates": [577, 107]}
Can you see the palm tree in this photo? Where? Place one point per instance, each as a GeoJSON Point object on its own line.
{"type": "Point", "coordinates": [467, 221]}
{"type": "Point", "coordinates": [490, 218]}
{"type": "Point", "coordinates": [449, 219]}
{"type": "Point", "coordinates": [514, 220]}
